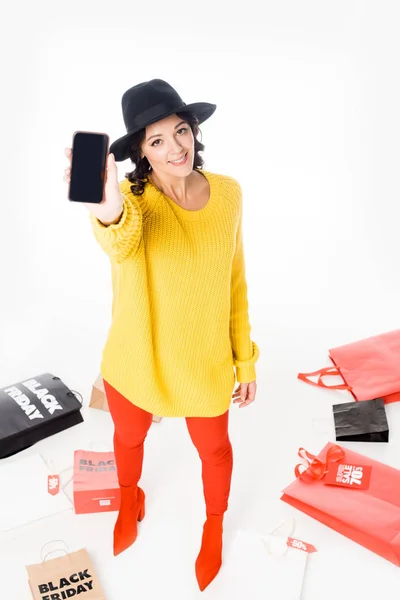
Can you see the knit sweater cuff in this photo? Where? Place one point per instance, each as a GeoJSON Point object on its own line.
{"type": "Point", "coordinates": [245, 369]}
{"type": "Point", "coordinates": [119, 239]}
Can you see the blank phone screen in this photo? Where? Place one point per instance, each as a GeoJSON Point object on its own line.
{"type": "Point", "coordinates": [88, 168]}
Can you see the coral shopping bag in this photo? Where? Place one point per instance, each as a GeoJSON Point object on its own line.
{"type": "Point", "coordinates": [370, 517]}
{"type": "Point", "coordinates": [96, 487]}
{"type": "Point", "coordinates": [65, 577]}
{"type": "Point", "coordinates": [369, 368]}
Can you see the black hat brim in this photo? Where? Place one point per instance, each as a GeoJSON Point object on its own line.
{"type": "Point", "coordinates": [202, 110]}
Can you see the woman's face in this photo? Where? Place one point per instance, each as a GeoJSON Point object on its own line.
{"type": "Point", "coordinates": [167, 141]}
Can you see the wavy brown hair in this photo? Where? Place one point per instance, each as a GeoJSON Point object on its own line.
{"type": "Point", "coordinates": [139, 176]}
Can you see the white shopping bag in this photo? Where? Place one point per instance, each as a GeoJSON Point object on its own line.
{"type": "Point", "coordinates": [24, 495]}
{"type": "Point", "coordinates": [259, 567]}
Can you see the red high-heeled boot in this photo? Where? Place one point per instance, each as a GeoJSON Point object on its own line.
{"type": "Point", "coordinates": [131, 511]}
{"type": "Point", "coordinates": [209, 560]}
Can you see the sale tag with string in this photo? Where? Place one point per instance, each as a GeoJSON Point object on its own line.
{"type": "Point", "coordinates": [299, 545]}
{"type": "Point", "coordinates": [53, 484]}
{"type": "Point", "coordinates": [356, 477]}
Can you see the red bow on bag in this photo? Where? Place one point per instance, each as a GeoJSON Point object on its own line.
{"type": "Point", "coordinates": [313, 468]}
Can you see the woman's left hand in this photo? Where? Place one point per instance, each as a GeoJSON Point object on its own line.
{"type": "Point", "coordinates": [245, 394]}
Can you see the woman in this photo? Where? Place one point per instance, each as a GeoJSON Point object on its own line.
{"type": "Point", "coordinates": [180, 323]}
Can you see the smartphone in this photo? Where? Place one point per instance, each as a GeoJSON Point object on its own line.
{"type": "Point", "coordinates": [88, 167]}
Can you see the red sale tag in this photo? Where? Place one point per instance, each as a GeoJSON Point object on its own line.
{"type": "Point", "coordinates": [350, 476]}
{"type": "Point", "coordinates": [53, 484]}
{"type": "Point", "coordinates": [299, 545]}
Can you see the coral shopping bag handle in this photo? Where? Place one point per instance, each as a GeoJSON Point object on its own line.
{"type": "Point", "coordinates": [323, 372]}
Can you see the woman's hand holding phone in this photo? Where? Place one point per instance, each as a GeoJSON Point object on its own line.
{"type": "Point", "coordinates": [110, 209]}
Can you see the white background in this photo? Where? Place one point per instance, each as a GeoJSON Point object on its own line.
{"type": "Point", "coordinates": [308, 122]}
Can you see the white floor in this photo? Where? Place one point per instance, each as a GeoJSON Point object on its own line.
{"type": "Point", "coordinates": [161, 563]}
{"type": "Point", "coordinates": [308, 123]}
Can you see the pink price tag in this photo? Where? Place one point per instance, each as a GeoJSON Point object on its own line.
{"type": "Point", "coordinates": [299, 545]}
{"type": "Point", "coordinates": [53, 484]}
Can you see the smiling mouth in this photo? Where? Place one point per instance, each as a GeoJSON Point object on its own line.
{"type": "Point", "coordinates": [179, 160]}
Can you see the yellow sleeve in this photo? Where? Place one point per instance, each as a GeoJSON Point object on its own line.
{"type": "Point", "coordinates": [245, 351]}
{"type": "Point", "coordinates": [123, 238]}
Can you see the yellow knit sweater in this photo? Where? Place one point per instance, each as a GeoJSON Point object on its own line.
{"type": "Point", "coordinates": [180, 310]}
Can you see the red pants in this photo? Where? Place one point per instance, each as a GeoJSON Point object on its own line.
{"type": "Point", "coordinates": [208, 434]}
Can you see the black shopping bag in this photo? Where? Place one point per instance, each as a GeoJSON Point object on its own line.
{"type": "Point", "coordinates": [361, 421]}
{"type": "Point", "coordinates": [34, 409]}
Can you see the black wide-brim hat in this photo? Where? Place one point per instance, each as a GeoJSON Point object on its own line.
{"type": "Point", "coordinates": [149, 102]}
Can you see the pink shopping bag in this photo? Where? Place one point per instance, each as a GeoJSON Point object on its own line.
{"type": "Point", "coordinates": [370, 368]}
{"type": "Point", "coordinates": [96, 487]}
{"type": "Point", "coordinates": [369, 517]}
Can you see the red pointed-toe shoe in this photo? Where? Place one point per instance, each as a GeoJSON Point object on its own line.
{"type": "Point", "coordinates": [209, 560]}
{"type": "Point", "coordinates": [131, 511]}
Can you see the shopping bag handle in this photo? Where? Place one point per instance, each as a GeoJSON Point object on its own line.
{"type": "Point", "coordinates": [313, 468]}
{"type": "Point", "coordinates": [275, 545]}
{"type": "Point", "coordinates": [284, 529]}
{"type": "Point", "coordinates": [76, 394]}
{"type": "Point", "coordinates": [72, 392]}
{"type": "Point", "coordinates": [43, 558]}
{"type": "Point", "coordinates": [333, 371]}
